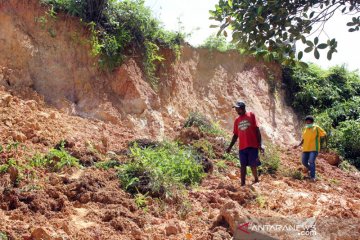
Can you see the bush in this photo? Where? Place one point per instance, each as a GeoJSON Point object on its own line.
{"type": "Point", "coordinates": [271, 160]}
{"type": "Point", "coordinates": [198, 120]}
{"type": "Point", "coordinates": [218, 43]}
{"type": "Point", "coordinates": [346, 138]}
{"type": "Point", "coordinates": [160, 170]}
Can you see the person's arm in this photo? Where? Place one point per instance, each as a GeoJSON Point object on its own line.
{"type": "Point", "coordinates": [233, 141]}
{"type": "Point", "coordinates": [301, 143]}
{"type": "Point", "coordinates": [322, 133]}
{"type": "Point", "coordinates": [258, 136]}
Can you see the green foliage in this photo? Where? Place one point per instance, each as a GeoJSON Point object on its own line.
{"type": "Point", "coordinates": [184, 209]}
{"type": "Point", "coordinates": [218, 43]}
{"type": "Point", "coordinates": [107, 164]}
{"type": "Point", "coordinates": [160, 170]}
{"type": "Point", "coordinates": [231, 157]}
{"type": "Point", "coordinates": [10, 163]}
{"type": "Point", "coordinates": [3, 236]}
{"type": "Point", "coordinates": [221, 165]}
{"type": "Point", "coordinates": [120, 28]}
{"type": "Point", "coordinates": [293, 173]}
{"type": "Point", "coordinates": [347, 167]}
{"type": "Point", "coordinates": [346, 139]}
{"type": "Point", "coordinates": [60, 158]}
{"type": "Point", "coordinates": [141, 200]}
{"type": "Point", "coordinates": [275, 26]}
{"type": "Point", "coordinates": [261, 201]}
{"type": "Point", "coordinates": [56, 159]}
{"type": "Point", "coordinates": [270, 161]}
{"type": "Point", "coordinates": [204, 124]}
{"type": "Point", "coordinates": [333, 96]}
{"type": "Point", "coordinates": [39, 160]}
{"type": "Point", "coordinates": [204, 146]}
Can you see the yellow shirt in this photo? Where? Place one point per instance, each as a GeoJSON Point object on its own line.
{"type": "Point", "coordinates": [311, 137]}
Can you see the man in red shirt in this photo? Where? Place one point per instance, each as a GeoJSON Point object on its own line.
{"type": "Point", "coordinates": [247, 130]}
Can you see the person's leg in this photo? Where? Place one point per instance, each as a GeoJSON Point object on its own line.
{"type": "Point", "coordinates": [312, 158]}
{"type": "Point", "coordinates": [305, 159]}
{"type": "Point", "coordinates": [254, 172]}
{"type": "Point", "coordinates": [243, 163]}
{"type": "Point", "coordinates": [254, 162]}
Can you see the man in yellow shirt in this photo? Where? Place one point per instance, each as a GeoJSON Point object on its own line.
{"type": "Point", "coordinates": [311, 145]}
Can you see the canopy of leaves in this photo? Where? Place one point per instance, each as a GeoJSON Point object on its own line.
{"type": "Point", "coordinates": [273, 26]}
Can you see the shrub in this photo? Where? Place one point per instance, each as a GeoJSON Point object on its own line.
{"type": "Point", "coordinates": [346, 138]}
{"type": "Point", "coordinates": [270, 161]}
{"type": "Point", "coordinates": [221, 165]}
{"type": "Point", "coordinates": [293, 173]}
{"type": "Point", "coordinates": [205, 147]}
{"type": "Point", "coordinates": [3, 236]}
{"type": "Point", "coordinates": [121, 27]}
{"type": "Point", "coordinates": [59, 159]}
{"type": "Point", "coordinates": [204, 124]}
{"type": "Point", "coordinates": [218, 43]}
{"type": "Point", "coordinates": [160, 170]}
{"type": "Point", "coordinates": [56, 159]}
{"type": "Point", "coordinates": [107, 164]}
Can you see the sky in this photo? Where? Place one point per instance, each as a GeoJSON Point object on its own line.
{"type": "Point", "coordinates": [194, 19]}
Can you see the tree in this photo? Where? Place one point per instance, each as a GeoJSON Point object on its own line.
{"type": "Point", "coordinates": [270, 28]}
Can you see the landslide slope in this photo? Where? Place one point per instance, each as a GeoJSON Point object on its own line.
{"type": "Point", "coordinates": [53, 90]}
{"type": "Point", "coordinates": [52, 58]}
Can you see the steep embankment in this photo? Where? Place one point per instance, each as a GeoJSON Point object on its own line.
{"type": "Point", "coordinates": [52, 90]}
{"type": "Point", "coordinates": [52, 58]}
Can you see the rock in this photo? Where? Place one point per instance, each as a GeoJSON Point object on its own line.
{"type": "Point", "coordinates": [8, 123]}
{"type": "Point", "coordinates": [233, 214]}
{"type": "Point", "coordinates": [14, 174]}
{"type": "Point", "coordinates": [18, 136]}
{"type": "Point", "coordinates": [172, 229]}
{"type": "Point", "coordinates": [6, 99]}
{"type": "Point", "coordinates": [32, 104]}
{"type": "Point", "coordinates": [42, 115]}
{"type": "Point", "coordinates": [40, 234]}
{"type": "Point", "coordinates": [54, 115]}
{"type": "Point", "coordinates": [334, 159]}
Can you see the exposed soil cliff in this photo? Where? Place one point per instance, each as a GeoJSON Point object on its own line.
{"type": "Point", "coordinates": [52, 58]}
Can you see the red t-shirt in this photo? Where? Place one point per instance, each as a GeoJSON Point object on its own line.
{"type": "Point", "coordinates": [245, 128]}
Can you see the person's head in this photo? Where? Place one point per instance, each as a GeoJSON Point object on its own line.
{"type": "Point", "coordinates": [240, 107]}
{"type": "Point", "coordinates": [309, 121]}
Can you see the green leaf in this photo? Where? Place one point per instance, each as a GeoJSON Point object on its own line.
{"type": "Point", "coordinates": [322, 46]}
{"type": "Point", "coordinates": [309, 43]}
{"type": "Point", "coordinates": [225, 34]}
{"type": "Point", "coordinates": [303, 64]}
{"type": "Point", "coordinates": [214, 26]}
{"type": "Point", "coordinates": [303, 39]}
{"type": "Point", "coordinates": [352, 30]}
{"type": "Point", "coordinates": [308, 49]}
{"type": "Point", "coordinates": [350, 24]}
{"type": "Point", "coordinates": [300, 55]}
{"type": "Point", "coordinates": [316, 54]}
{"type": "Point", "coordinates": [329, 54]}
{"type": "Point", "coordinates": [259, 10]}
{"type": "Point", "coordinates": [312, 14]}
{"type": "Point", "coordinates": [316, 40]}
{"type": "Point", "coordinates": [343, 10]}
